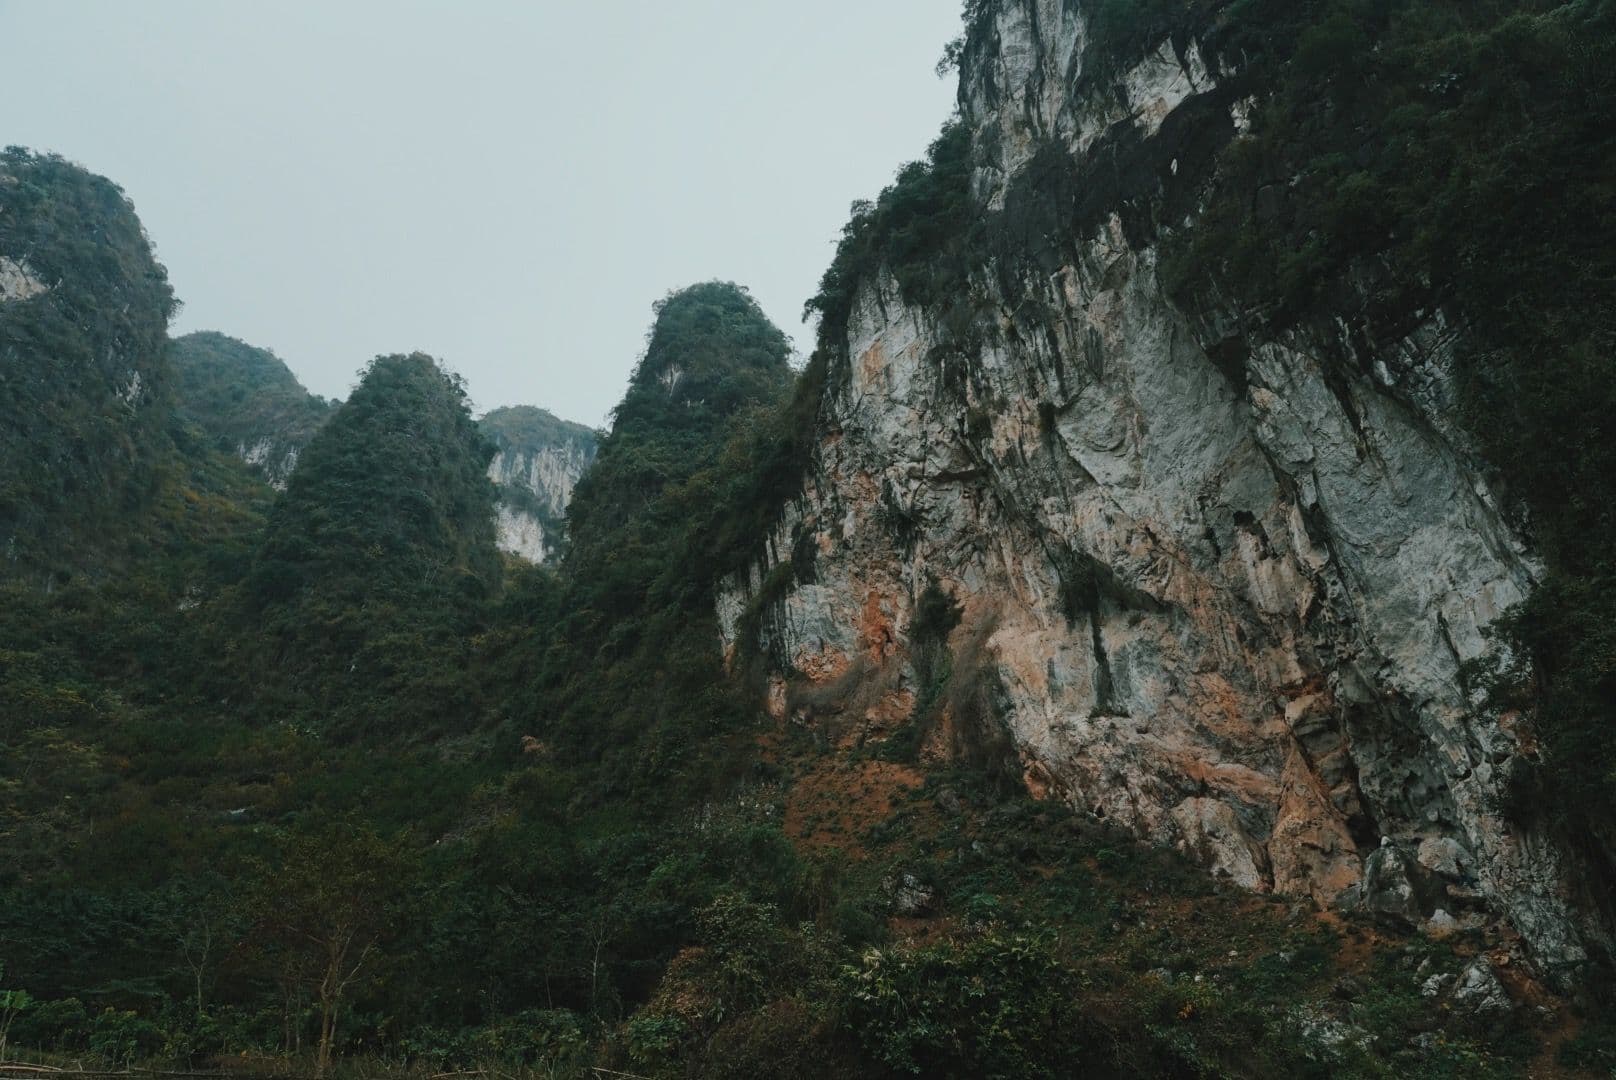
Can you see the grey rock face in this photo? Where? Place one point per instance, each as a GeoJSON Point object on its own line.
{"type": "Point", "coordinates": [1225, 609]}
{"type": "Point", "coordinates": [1388, 891]}
{"type": "Point", "coordinates": [17, 281]}
{"type": "Point", "coordinates": [549, 473]}
{"type": "Point", "coordinates": [1438, 984]}
{"type": "Point", "coordinates": [537, 462]}
{"type": "Point", "coordinates": [1479, 994]}
{"type": "Point", "coordinates": [911, 898]}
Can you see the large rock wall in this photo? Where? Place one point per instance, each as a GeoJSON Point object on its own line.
{"type": "Point", "coordinates": [537, 462]}
{"type": "Point", "coordinates": [548, 472]}
{"type": "Point", "coordinates": [1224, 605]}
{"type": "Point", "coordinates": [548, 475]}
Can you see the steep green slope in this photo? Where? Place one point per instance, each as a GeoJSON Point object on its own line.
{"type": "Point", "coordinates": [634, 675]}
{"type": "Point", "coordinates": [246, 400]}
{"type": "Point", "coordinates": [376, 562]}
{"type": "Point", "coordinates": [84, 384]}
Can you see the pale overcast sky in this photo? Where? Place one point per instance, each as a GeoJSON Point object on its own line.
{"type": "Point", "coordinates": [508, 186]}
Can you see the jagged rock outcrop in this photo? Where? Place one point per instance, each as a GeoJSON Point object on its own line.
{"type": "Point", "coordinates": [538, 459]}
{"type": "Point", "coordinates": [17, 281]}
{"type": "Point", "coordinates": [1216, 586]}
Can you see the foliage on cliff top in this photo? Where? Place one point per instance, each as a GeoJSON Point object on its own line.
{"type": "Point", "coordinates": [527, 427]}
{"type": "Point", "coordinates": [920, 229]}
{"type": "Point", "coordinates": [238, 394]}
{"type": "Point", "coordinates": [83, 380]}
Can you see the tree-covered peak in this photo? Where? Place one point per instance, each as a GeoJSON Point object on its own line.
{"type": "Point", "coordinates": [78, 233]}
{"type": "Point", "coordinates": [246, 368]}
{"type": "Point", "coordinates": [246, 400]}
{"type": "Point", "coordinates": [528, 428]}
{"type": "Point", "coordinates": [710, 339]}
{"type": "Point", "coordinates": [377, 562]}
{"type": "Point", "coordinates": [392, 490]}
{"type": "Point", "coordinates": [711, 353]}
{"type": "Point", "coordinates": [84, 310]}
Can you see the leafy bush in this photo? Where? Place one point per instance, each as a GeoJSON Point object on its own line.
{"type": "Point", "coordinates": [653, 1038]}
{"type": "Point", "coordinates": [123, 1038]}
{"type": "Point", "coordinates": [58, 1024]}
{"type": "Point", "coordinates": [1593, 1048]}
{"type": "Point", "coordinates": [992, 1006]}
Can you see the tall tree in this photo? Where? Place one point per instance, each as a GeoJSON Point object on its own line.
{"type": "Point", "coordinates": [324, 908]}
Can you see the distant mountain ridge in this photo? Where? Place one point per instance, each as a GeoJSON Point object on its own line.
{"type": "Point", "coordinates": [247, 400]}
{"type": "Point", "coordinates": [251, 405]}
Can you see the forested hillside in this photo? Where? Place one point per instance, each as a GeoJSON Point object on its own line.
{"type": "Point", "coordinates": [246, 400]}
{"type": "Point", "coordinates": [1087, 663]}
{"type": "Point", "coordinates": [84, 313]}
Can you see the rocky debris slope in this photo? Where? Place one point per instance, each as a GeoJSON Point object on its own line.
{"type": "Point", "coordinates": [1213, 586]}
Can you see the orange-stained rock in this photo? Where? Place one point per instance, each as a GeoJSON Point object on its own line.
{"type": "Point", "coordinates": [1311, 850]}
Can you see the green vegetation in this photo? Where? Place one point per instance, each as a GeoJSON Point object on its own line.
{"type": "Point", "coordinates": [83, 439]}
{"type": "Point", "coordinates": [519, 427]}
{"type": "Point", "coordinates": [377, 564]}
{"type": "Point", "coordinates": [674, 501]}
{"type": "Point", "coordinates": [321, 784]}
{"type": "Point", "coordinates": [921, 230]}
{"type": "Point", "coordinates": [242, 397]}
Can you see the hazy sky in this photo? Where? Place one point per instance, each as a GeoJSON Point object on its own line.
{"type": "Point", "coordinates": [508, 186]}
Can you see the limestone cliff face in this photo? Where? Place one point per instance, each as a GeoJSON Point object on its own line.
{"type": "Point", "coordinates": [1216, 587]}
{"type": "Point", "coordinates": [537, 462]}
